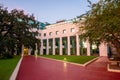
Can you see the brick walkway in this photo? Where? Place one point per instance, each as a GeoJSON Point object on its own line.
{"type": "Point", "coordinates": [43, 69]}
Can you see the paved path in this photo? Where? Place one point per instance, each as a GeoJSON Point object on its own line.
{"type": "Point", "coordinates": [44, 69]}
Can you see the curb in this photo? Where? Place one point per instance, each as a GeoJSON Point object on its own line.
{"type": "Point", "coordinates": [85, 64]}
{"type": "Point", "coordinates": [15, 72]}
{"type": "Point", "coordinates": [112, 70]}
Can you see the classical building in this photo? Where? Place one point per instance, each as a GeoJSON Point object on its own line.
{"type": "Point", "coordinates": [63, 38]}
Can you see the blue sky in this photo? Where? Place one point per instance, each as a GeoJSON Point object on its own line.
{"type": "Point", "coordinates": [49, 10]}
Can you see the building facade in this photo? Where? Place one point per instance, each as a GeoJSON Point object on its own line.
{"type": "Point", "coordinates": [63, 38]}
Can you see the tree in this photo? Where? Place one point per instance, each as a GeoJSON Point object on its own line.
{"type": "Point", "coordinates": [5, 29]}
{"type": "Point", "coordinates": [16, 28]}
{"type": "Point", "coordinates": [23, 28]}
{"type": "Point", "coordinates": [102, 23]}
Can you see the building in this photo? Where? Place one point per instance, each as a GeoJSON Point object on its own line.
{"type": "Point", "coordinates": [63, 38]}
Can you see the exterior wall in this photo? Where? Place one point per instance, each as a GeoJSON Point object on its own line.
{"type": "Point", "coordinates": [59, 27]}
{"type": "Point", "coordinates": [69, 30]}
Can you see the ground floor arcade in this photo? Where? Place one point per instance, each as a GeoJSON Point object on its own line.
{"type": "Point", "coordinates": [71, 45]}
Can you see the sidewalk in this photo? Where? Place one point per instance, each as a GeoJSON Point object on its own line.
{"type": "Point", "coordinates": [43, 69]}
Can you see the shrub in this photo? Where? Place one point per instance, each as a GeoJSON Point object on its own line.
{"type": "Point", "coordinates": [6, 55]}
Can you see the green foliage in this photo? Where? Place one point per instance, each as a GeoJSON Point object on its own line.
{"type": "Point", "coordinates": [102, 22]}
{"type": "Point", "coordinates": [16, 28]}
{"type": "Point", "coordinates": [6, 55]}
{"type": "Point", "coordinates": [57, 51]}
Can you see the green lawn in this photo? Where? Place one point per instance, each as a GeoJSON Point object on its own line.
{"type": "Point", "coordinates": [7, 66]}
{"type": "Point", "coordinates": [75, 59]}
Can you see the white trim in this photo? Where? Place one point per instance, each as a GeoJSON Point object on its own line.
{"type": "Point", "coordinates": [112, 70]}
{"type": "Point", "coordinates": [15, 72]}
{"type": "Point", "coordinates": [85, 64]}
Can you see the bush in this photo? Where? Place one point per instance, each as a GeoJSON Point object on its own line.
{"type": "Point", "coordinates": [6, 55]}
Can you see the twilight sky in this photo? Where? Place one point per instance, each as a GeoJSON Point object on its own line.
{"type": "Point", "coordinates": [49, 10]}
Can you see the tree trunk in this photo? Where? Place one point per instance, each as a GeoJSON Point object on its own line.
{"type": "Point", "coordinates": [118, 50]}
{"type": "Point", "coordinates": [22, 50]}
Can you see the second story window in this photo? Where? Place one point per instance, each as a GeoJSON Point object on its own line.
{"type": "Point", "coordinates": [39, 34]}
{"type": "Point", "coordinates": [57, 32]}
{"type": "Point", "coordinates": [44, 34]}
{"type": "Point", "coordinates": [50, 33]}
{"type": "Point", "coordinates": [64, 31]}
{"type": "Point", "coordinates": [72, 29]}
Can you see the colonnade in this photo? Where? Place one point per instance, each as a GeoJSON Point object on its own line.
{"type": "Point", "coordinates": [45, 49]}
{"type": "Point", "coordinates": [64, 46]}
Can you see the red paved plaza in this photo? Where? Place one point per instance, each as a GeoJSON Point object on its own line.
{"type": "Point", "coordinates": [44, 69]}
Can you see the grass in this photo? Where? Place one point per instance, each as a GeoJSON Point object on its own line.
{"type": "Point", "coordinates": [7, 66]}
{"type": "Point", "coordinates": [74, 59]}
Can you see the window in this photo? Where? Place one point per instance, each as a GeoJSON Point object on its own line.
{"type": "Point", "coordinates": [64, 31]}
{"type": "Point", "coordinates": [80, 28]}
{"type": "Point", "coordinates": [57, 32]}
{"type": "Point", "coordinates": [39, 34]}
{"type": "Point", "coordinates": [72, 30]}
{"type": "Point", "coordinates": [44, 34]}
{"type": "Point", "coordinates": [50, 33]}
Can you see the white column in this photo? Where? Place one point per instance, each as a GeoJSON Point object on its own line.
{"type": "Point", "coordinates": [22, 50]}
{"type": "Point", "coordinates": [68, 45]}
{"type": "Point", "coordinates": [47, 46]}
{"type": "Point", "coordinates": [88, 48]}
{"type": "Point", "coordinates": [103, 49]}
{"type": "Point", "coordinates": [41, 47]}
{"type": "Point", "coordinates": [77, 45]}
{"type": "Point", "coordinates": [61, 46]}
{"type": "Point", "coordinates": [29, 51]}
{"type": "Point", "coordinates": [53, 46]}
{"type": "Point", "coordinates": [36, 50]}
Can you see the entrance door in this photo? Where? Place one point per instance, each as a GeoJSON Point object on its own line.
{"type": "Point", "coordinates": [25, 51]}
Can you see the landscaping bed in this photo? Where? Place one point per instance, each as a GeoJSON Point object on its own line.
{"type": "Point", "coordinates": [71, 58]}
